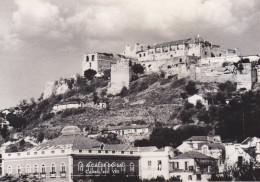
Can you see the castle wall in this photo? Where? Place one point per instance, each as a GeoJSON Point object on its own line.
{"type": "Point", "coordinates": [120, 76]}
{"type": "Point", "coordinates": [244, 77]}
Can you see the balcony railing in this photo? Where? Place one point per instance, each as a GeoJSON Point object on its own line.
{"type": "Point", "coordinates": [43, 175]}
{"type": "Point", "coordinates": [63, 174]}
{"type": "Point", "coordinates": [53, 174]}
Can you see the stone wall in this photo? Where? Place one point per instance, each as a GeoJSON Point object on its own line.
{"type": "Point", "coordinates": [120, 76]}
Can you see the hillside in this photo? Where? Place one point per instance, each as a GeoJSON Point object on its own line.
{"type": "Point", "coordinates": [150, 99]}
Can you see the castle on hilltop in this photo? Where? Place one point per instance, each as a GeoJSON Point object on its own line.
{"type": "Point", "coordinates": [194, 57]}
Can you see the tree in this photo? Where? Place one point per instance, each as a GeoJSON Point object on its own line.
{"type": "Point", "coordinates": [199, 105]}
{"type": "Point", "coordinates": [107, 74]}
{"type": "Point", "coordinates": [95, 97]}
{"type": "Point", "coordinates": [16, 121]}
{"type": "Point", "coordinates": [141, 143]}
{"type": "Point", "coordinates": [138, 68]}
{"type": "Point", "coordinates": [89, 74]}
{"type": "Point", "coordinates": [191, 88]}
{"type": "Point", "coordinates": [40, 137]}
{"type": "Point", "coordinates": [123, 92]}
{"type": "Point", "coordinates": [186, 115]}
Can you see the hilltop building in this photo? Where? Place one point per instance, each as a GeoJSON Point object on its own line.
{"type": "Point", "coordinates": [99, 62]}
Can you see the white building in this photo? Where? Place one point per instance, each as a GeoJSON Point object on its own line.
{"type": "Point", "coordinates": [195, 98]}
{"type": "Point", "coordinates": [155, 162]}
{"type": "Point", "coordinates": [133, 129]}
{"type": "Point", "coordinates": [193, 166]}
{"type": "Point", "coordinates": [68, 105]}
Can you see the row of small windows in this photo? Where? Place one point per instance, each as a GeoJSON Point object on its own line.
{"type": "Point", "coordinates": [88, 58]}
{"type": "Point", "coordinates": [106, 167]}
{"type": "Point", "coordinates": [34, 169]}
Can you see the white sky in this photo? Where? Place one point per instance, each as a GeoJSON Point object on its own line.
{"type": "Point", "coordinates": [43, 40]}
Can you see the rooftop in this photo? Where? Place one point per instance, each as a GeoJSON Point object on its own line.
{"type": "Point", "coordinates": [193, 155]}
{"type": "Point", "coordinates": [128, 127]}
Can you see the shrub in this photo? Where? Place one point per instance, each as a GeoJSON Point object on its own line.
{"type": "Point", "coordinates": [178, 83]}
{"type": "Point", "coordinates": [191, 88]}
{"type": "Point", "coordinates": [138, 68]}
{"type": "Point", "coordinates": [186, 116]}
{"type": "Point", "coordinates": [164, 81]}
{"type": "Point", "coordinates": [123, 92]}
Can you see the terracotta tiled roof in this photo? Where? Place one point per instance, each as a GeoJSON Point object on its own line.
{"type": "Point", "coordinates": [193, 155]}
{"type": "Point", "coordinates": [146, 149]}
{"type": "Point", "coordinates": [76, 142]}
{"type": "Point", "coordinates": [117, 147]}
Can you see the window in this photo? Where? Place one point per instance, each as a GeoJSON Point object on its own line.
{"type": "Point", "coordinates": [106, 151]}
{"type": "Point", "coordinates": [190, 177]}
{"type": "Point", "coordinates": [62, 151]}
{"type": "Point", "coordinates": [99, 168]}
{"type": "Point", "coordinates": [131, 152]}
{"type": "Point", "coordinates": [63, 168]}
{"type": "Point", "coordinates": [149, 163]}
{"type": "Point", "coordinates": [99, 151]}
{"type": "Point", "coordinates": [53, 168]}
{"type": "Point", "coordinates": [159, 167]}
{"type": "Point", "coordinates": [80, 167]}
{"type": "Point", "coordinates": [140, 55]}
{"type": "Point", "coordinates": [205, 150]}
{"type": "Point", "coordinates": [52, 152]}
{"type": "Point", "coordinates": [35, 153]}
{"type": "Point", "coordinates": [9, 170]}
{"type": "Point", "coordinates": [28, 169]}
{"type": "Point", "coordinates": [176, 165]}
{"type": "Point", "coordinates": [122, 167]}
{"type": "Point", "coordinates": [180, 60]}
{"type": "Point", "coordinates": [19, 169]}
{"type": "Point", "coordinates": [90, 166]}
{"type": "Point", "coordinates": [93, 57]}
{"type": "Point", "coordinates": [113, 151]}
{"type": "Point", "coordinates": [18, 154]}
{"type": "Point", "coordinates": [43, 169]}
{"type": "Point", "coordinates": [35, 168]}
{"type": "Point", "coordinates": [80, 151]}
{"type": "Point", "coordinates": [122, 152]}
{"type": "Point", "coordinates": [132, 167]}
{"type": "Point", "coordinates": [186, 165]}
{"type": "Point", "coordinates": [87, 59]}
{"type": "Point", "coordinates": [43, 152]}
{"type": "Point", "coordinates": [106, 167]}
{"type": "Point", "coordinates": [89, 151]}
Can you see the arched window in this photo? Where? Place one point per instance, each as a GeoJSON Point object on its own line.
{"type": "Point", "coordinates": [106, 166]}
{"type": "Point", "coordinates": [63, 167]}
{"type": "Point", "coordinates": [132, 167]}
{"type": "Point", "coordinates": [113, 165]}
{"type": "Point", "coordinates": [80, 167]}
{"type": "Point", "coordinates": [43, 169]}
{"type": "Point", "coordinates": [35, 168]}
{"type": "Point", "coordinates": [99, 168]}
{"type": "Point", "coordinates": [53, 168]}
{"type": "Point", "coordinates": [122, 167]}
{"type": "Point", "coordinates": [19, 169]}
{"type": "Point", "coordinates": [28, 169]}
{"type": "Point", "coordinates": [9, 170]}
{"type": "Point", "coordinates": [90, 166]}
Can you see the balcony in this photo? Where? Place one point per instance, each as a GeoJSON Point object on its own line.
{"type": "Point", "coordinates": [63, 174]}
{"type": "Point", "coordinates": [43, 175]}
{"type": "Point", "coordinates": [36, 174]}
{"type": "Point", "coordinates": [53, 174]}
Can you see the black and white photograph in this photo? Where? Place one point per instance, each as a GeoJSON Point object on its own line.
{"type": "Point", "coordinates": [129, 90]}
